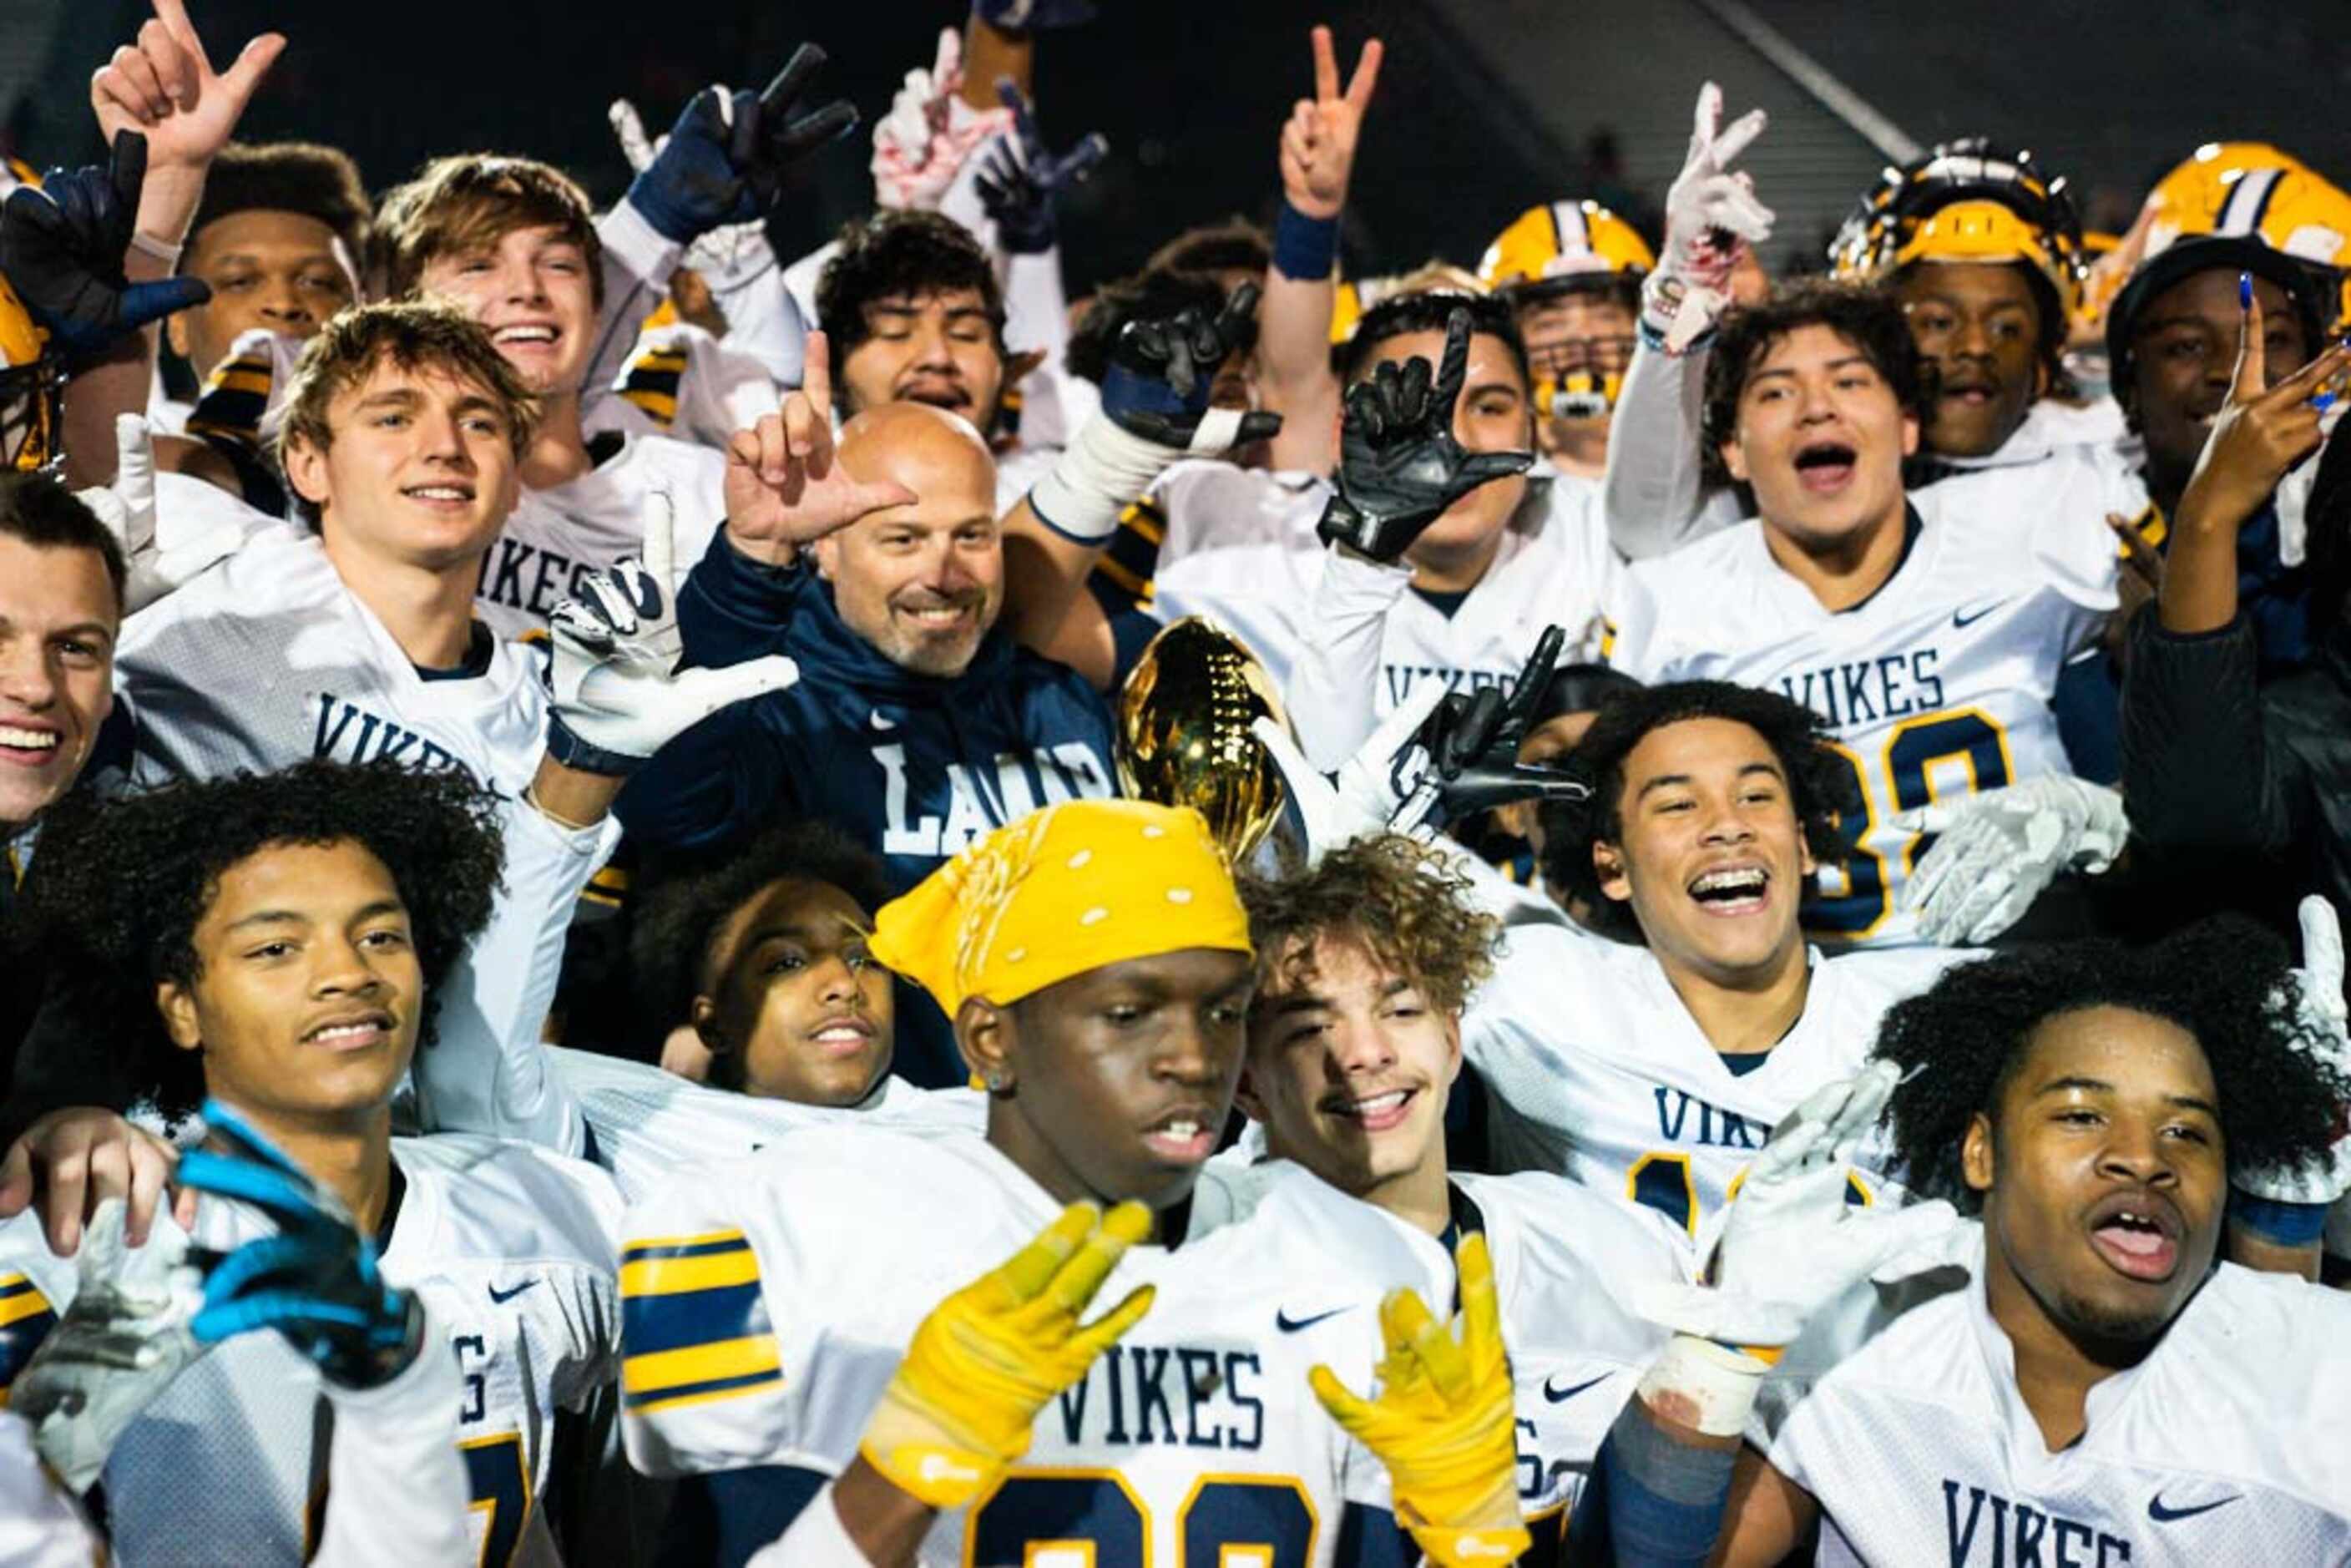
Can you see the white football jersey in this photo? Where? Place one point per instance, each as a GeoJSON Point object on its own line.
{"type": "Point", "coordinates": [645, 1125]}
{"type": "Point", "coordinates": [1238, 544]}
{"type": "Point", "coordinates": [510, 1250]}
{"type": "Point", "coordinates": [1599, 1074]}
{"type": "Point", "coordinates": [268, 658]}
{"type": "Point", "coordinates": [559, 535]}
{"type": "Point", "coordinates": [1940, 682]}
{"type": "Point", "coordinates": [683, 383]}
{"type": "Point", "coordinates": [769, 1302]}
{"type": "Point", "coordinates": [2228, 1444]}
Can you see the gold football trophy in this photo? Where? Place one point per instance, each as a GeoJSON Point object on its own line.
{"type": "Point", "coordinates": [1184, 739]}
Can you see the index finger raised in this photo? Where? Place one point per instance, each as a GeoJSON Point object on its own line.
{"type": "Point", "coordinates": [173, 14]}
{"type": "Point", "coordinates": [1454, 368]}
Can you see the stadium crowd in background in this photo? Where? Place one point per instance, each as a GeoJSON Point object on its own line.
{"type": "Point", "coordinates": [669, 902]}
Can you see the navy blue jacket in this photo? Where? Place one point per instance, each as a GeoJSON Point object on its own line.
{"type": "Point", "coordinates": [914, 766]}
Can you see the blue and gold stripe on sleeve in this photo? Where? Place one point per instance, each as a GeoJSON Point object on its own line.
{"type": "Point", "coordinates": [234, 399]}
{"type": "Point", "coordinates": [26, 1319]}
{"type": "Point", "coordinates": [1122, 576]}
{"type": "Point", "coordinates": [652, 380]}
{"type": "Point", "coordinates": [694, 1327]}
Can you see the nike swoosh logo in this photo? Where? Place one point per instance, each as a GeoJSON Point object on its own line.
{"type": "Point", "coordinates": [1562, 1396]}
{"type": "Point", "coordinates": [1288, 1324]}
{"type": "Point", "coordinates": [2162, 1515]}
{"type": "Point", "coordinates": [1969, 618]}
{"type": "Point", "coordinates": [500, 1298]}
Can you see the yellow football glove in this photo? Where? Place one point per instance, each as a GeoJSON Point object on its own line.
{"type": "Point", "coordinates": [1444, 1421]}
{"type": "Point", "coordinates": [957, 1413]}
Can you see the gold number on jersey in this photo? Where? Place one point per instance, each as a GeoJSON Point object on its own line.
{"type": "Point", "coordinates": [1856, 898]}
{"type": "Point", "coordinates": [499, 1484]}
{"type": "Point", "coordinates": [1077, 1517]}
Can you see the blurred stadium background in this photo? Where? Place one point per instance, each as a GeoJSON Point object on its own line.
{"type": "Point", "coordinates": [1485, 107]}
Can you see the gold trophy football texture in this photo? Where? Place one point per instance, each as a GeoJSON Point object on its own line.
{"type": "Point", "coordinates": [1184, 718]}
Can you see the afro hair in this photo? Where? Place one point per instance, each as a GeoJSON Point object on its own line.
{"type": "Point", "coordinates": [2224, 980]}
{"type": "Point", "coordinates": [122, 887]}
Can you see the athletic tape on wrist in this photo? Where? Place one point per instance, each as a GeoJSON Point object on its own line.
{"type": "Point", "coordinates": [1107, 469]}
{"type": "Point", "coordinates": [1305, 248]}
{"type": "Point", "coordinates": [1703, 1384]}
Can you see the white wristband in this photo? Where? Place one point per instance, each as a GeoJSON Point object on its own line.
{"type": "Point", "coordinates": [1098, 475]}
{"type": "Point", "coordinates": [1703, 1384]}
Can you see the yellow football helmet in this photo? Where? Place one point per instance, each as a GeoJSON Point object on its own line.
{"type": "Point", "coordinates": [1564, 244]}
{"type": "Point", "coordinates": [32, 390]}
{"type": "Point", "coordinates": [2253, 189]}
{"type": "Point", "coordinates": [1965, 201]}
{"type": "Point", "coordinates": [1359, 295]}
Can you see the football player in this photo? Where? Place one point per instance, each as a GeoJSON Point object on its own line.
{"type": "Point", "coordinates": [1096, 961]}
{"type": "Point", "coordinates": [1573, 271]}
{"type": "Point", "coordinates": [2091, 1106]}
{"type": "Point", "coordinates": [1365, 964]}
{"type": "Point", "coordinates": [275, 943]}
{"type": "Point", "coordinates": [1930, 628]}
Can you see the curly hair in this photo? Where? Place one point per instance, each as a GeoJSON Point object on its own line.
{"type": "Point", "coordinates": [1401, 314]}
{"type": "Point", "coordinates": [1867, 316]}
{"type": "Point", "coordinates": [677, 930]}
{"type": "Point", "coordinates": [1400, 897]}
{"type": "Point", "coordinates": [2223, 980]}
{"type": "Point", "coordinates": [898, 255]}
{"type": "Point", "coordinates": [1821, 784]}
{"type": "Point", "coordinates": [1145, 296]}
{"type": "Point", "coordinates": [123, 886]}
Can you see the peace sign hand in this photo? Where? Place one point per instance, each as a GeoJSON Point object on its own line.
{"type": "Point", "coordinates": [2261, 432]}
{"type": "Point", "coordinates": [1399, 465]}
{"type": "Point", "coordinates": [1021, 179]}
{"type": "Point", "coordinates": [165, 88]}
{"type": "Point", "coordinates": [1318, 141]}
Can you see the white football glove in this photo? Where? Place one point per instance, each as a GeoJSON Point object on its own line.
{"type": "Point", "coordinates": [127, 508]}
{"type": "Point", "coordinates": [1997, 849]}
{"type": "Point", "coordinates": [1791, 1244]}
{"type": "Point", "coordinates": [921, 144]}
{"type": "Point", "coordinates": [1710, 215]}
{"type": "Point", "coordinates": [2325, 1031]}
{"type": "Point", "coordinates": [119, 1346]}
{"type": "Point", "coordinates": [616, 694]}
{"type": "Point", "coordinates": [1370, 786]}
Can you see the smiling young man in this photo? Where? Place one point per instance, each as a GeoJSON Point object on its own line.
{"type": "Point", "coordinates": [275, 943]}
{"type": "Point", "coordinates": [1928, 629]}
{"type": "Point", "coordinates": [2091, 1104]}
{"type": "Point", "coordinates": [1366, 962]}
{"type": "Point", "coordinates": [1653, 1074]}
{"type": "Point", "coordinates": [514, 245]}
{"type": "Point", "coordinates": [1096, 961]}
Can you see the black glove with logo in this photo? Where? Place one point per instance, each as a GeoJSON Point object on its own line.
{"type": "Point", "coordinates": [1399, 465]}
{"type": "Point", "coordinates": [1472, 745]}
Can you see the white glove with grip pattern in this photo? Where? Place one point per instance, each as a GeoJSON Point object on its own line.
{"type": "Point", "coordinates": [615, 693]}
{"type": "Point", "coordinates": [127, 508]}
{"type": "Point", "coordinates": [1997, 849]}
{"type": "Point", "coordinates": [1710, 215]}
{"type": "Point", "coordinates": [2323, 1030]}
{"type": "Point", "coordinates": [1369, 786]}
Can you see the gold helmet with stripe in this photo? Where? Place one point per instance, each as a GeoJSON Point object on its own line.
{"type": "Point", "coordinates": [2253, 190]}
{"type": "Point", "coordinates": [1564, 245]}
{"type": "Point", "coordinates": [32, 390]}
{"type": "Point", "coordinates": [1966, 201]}
{"type": "Point", "coordinates": [1359, 295]}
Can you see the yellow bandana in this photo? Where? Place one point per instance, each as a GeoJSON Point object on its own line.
{"type": "Point", "coordinates": [1071, 888]}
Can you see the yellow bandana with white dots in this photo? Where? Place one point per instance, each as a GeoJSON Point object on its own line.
{"type": "Point", "coordinates": [1071, 888]}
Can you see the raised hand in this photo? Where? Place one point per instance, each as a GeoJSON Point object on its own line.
{"type": "Point", "coordinates": [616, 694]}
{"type": "Point", "coordinates": [1318, 141]}
{"type": "Point", "coordinates": [725, 159]}
{"type": "Point", "coordinates": [1472, 745]}
{"type": "Point", "coordinates": [1997, 849]}
{"type": "Point", "coordinates": [316, 1282]}
{"type": "Point", "coordinates": [1020, 181]}
{"type": "Point", "coordinates": [2261, 432]}
{"type": "Point", "coordinates": [1160, 374]}
{"type": "Point", "coordinates": [1400, 466]}
{"type": "Point", "coordinates": [783, 486]}
{"type": "Point", "coordinates": [958, 1412]}
{"type": "Point", "coordinates": [1443, 1420]}
{"type": "Point", "coordinates": [1711, 216]}
{"type": "Point", "coordinates": [2322, 1027]}
{"type": "Point", "coordinates": [62, 246]}
{"type": "Point", "coordinates": [922, 142]}
{"type": "Point", "coordinates": [165, 88]}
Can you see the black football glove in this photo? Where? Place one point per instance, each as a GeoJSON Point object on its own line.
{"type": "Point", "coordinates": [1020, 189]}
{"type": "Point", "coordinates": [727, 156]}
{"type": "Point", "coordinates": [1472, 750]}
{"type": "Point", "coordinates": [1160, 374]}
{"type": "Point", "coordinates": [1399, 465]}
{"type": "Point", "coordinates": [62, 246]}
